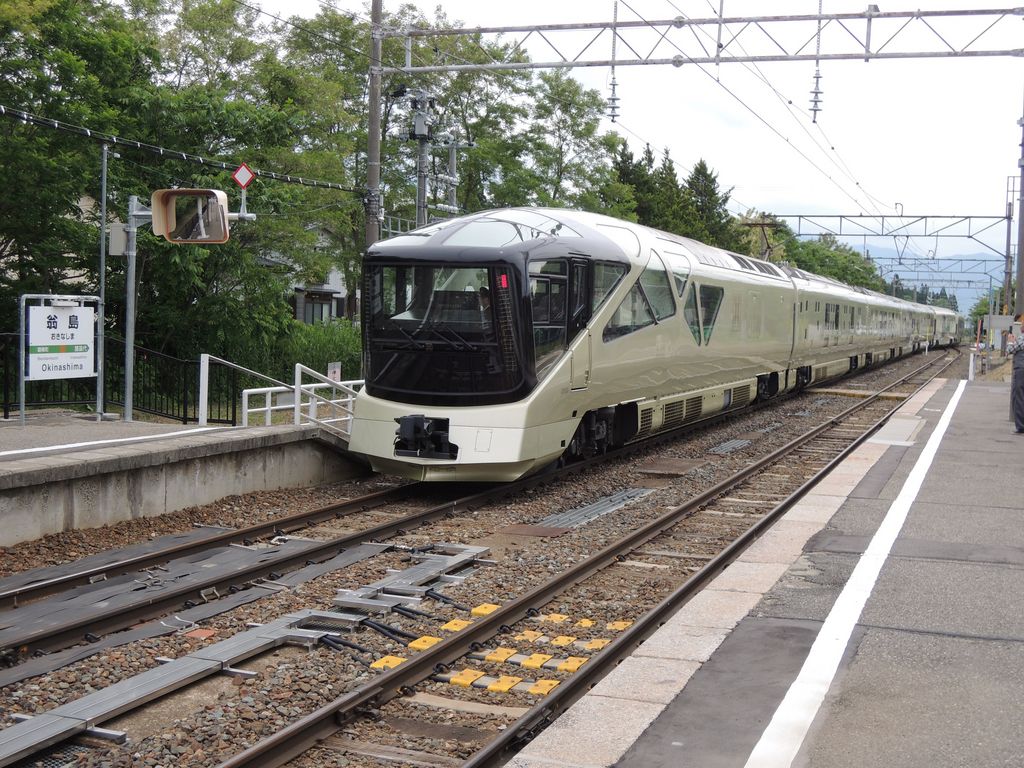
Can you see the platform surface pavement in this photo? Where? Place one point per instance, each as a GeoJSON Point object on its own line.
{"type": "Point", "coordinates": [931, 669]}
{"type": "Point", "coordinates": [59, 431]}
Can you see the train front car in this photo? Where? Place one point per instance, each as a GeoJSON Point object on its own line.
{"type": "Point", "coordinates": [461, 320]}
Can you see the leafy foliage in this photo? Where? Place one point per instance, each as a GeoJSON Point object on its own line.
{"type": "Point", "coordinates": [216, 78]}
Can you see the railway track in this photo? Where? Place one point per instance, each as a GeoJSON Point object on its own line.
{"type": "Point", "coordinates": [433, 667]}
{"type": "Point", "coordinates": [803, 462]}
{"type": "Point", "coordinates": [160, 593]}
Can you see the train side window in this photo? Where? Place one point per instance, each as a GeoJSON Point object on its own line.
{"type": "Point", "coordinates": [680, 270]}
{"type": "Point", "coordinates": [655, 285]}
{"type": "Point", "coordinates": [690, 312]}
{"type": "Point", "coordinates": [606, 277]}
{"type": "Point", "coordinates": [632, 314]}
{"type": "Point", "coordinates": [710, 303]}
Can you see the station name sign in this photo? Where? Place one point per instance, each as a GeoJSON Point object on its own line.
{"type": "Point", "coordinates": [61, 343]}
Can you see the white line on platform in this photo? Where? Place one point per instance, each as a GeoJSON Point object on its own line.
{"type": "Point", "coordinates": [782, 739]}
{"type": "Point", "coordinates": [93, 443]}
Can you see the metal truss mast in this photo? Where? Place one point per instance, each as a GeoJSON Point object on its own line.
{"type": "Point", "coordinates": [721, 39]}
{"type": "Point", "coordinates": [737, 39]}
{"type": "Point", "coordinates": [900, 228]}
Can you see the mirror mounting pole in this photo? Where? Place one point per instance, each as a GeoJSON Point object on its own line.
{"type": "Point", "coordinates": [137, 214]}
{"type": "Point", "coordinates": [243, 213]}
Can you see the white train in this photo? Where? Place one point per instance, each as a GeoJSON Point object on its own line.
{"type": "Point", "coordinates": [499, 342]}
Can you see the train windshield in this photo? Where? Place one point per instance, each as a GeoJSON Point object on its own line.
{"type": "Point", "coordinates": [441, 334]}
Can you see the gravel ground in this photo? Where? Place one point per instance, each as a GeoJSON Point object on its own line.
{"type": "Point", "coordinates": [290, 683]}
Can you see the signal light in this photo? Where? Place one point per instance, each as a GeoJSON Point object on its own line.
{"type": "Point", "coordinates": [191, 215]}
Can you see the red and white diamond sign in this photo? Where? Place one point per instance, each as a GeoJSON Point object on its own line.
{"type": "Point", "coordinates": [243, 176]}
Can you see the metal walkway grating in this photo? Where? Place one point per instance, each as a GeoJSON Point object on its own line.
{"type": "Point", "coordinates": [574, 518]}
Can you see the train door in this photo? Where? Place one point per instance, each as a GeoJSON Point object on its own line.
{"type": "Point", "coordinates": [579, 315]}
{"type": "Point", "coordinates": [581, 363]}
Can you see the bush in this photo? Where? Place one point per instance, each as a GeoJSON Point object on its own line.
{"type": "Point", "coordinates": [317, 345]}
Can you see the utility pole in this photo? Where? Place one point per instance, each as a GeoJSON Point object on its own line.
{"type": "Point", "coordinates": [101, 327]}
{"type": "Point", "coordinates": [422, 121]}
{"type": "Point", "coordinates": [1019, 296]}
{"type": "Point", "coordinates": [1008, 272]}
{"type": "Point", "coordinates": [372, 202]}
{"type": "Point", "coordinates": [451, 180]}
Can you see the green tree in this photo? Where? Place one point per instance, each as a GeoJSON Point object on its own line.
{"type": "Point", "coordinates": [763, 236]}
{"type": "Point", "coordinates": [83, 64]}
{"type": "Point", "coordinates": [567, 156]}
{"type": "Point", "coordinates": [828, 257]}
{"type": "Point", "coordinates": [980, 308]}
{"type": "Point", "coordinates": [673, 206]}
{"type": "Point", "coordinates": [710, 204]}
{"type": "Point", "coordinates": [638, 175]}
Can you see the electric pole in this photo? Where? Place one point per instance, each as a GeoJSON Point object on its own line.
{"type": "Point", "coordinates": [372, 202]}
{"type": "Point", "coordinates": [1008, 272]}
{"type": "Point", "coordinates": [422, 122]}
{"type": "Point", "coordinates": [1019, 296]}
{"type": "Point", "coordinates": [451, 179]}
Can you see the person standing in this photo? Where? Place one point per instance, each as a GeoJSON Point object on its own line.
{"type": "Point", "coordinates": [1015, 347]}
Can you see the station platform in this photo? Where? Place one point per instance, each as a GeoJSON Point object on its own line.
{"type": "Point", "coordinates": [880, 622]}
{"type": "Point", "coordinates": [60, 470]}
{"type": "Point", "coordinates": [50, 432]}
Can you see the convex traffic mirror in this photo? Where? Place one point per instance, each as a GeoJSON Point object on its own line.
{"type": "Point", "coordinates": [191, 215]}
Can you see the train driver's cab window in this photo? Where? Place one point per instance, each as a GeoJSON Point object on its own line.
{"type": "Point", "coordinates": [549, 293]}
{"type": "Point", "coordinates": [710, 303]}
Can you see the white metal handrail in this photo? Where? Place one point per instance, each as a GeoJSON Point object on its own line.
{"type": "Point", "coordinates": [307, 402]}
{"type": "Point", "coordinates": [204, 382]}
{"type": "Point", "coordinates": [339, 403]}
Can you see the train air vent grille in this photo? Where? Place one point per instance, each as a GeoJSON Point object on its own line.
{"type": "Point", "coordinates": [674, 414]}
{"type": "Point", "coordinates": [646, 416]}
{"type": "Point", "coordinates": [820, 372]}
{"type": "Point", "coordinates": [693, 409]}
{"type": "Point", "coordinates": [740, 396]}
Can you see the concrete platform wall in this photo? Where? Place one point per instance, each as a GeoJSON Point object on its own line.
{"type": "Point", "coordinates": [89, 489]}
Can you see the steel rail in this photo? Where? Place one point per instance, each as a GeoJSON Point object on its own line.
{"type": "Point", "coordinates": [9, 598]}
{"type": "Point", "coordinates": [572, 689]}
{"type": "Point", "coordinates": [112, 619]}
{"type": "Point", "coordinates": [306, 732]}
{"type": "Point", "coordinates": [109, 620]}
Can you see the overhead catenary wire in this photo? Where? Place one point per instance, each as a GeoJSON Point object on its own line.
{"type": "Point", "coordinates": [170, 154]}
{"type": "Point", "coordinates": [831, 154]}
{"type": "Point", "coordinates": [754, 112]}
{"type": "Point", "coordinates": [503, 89]}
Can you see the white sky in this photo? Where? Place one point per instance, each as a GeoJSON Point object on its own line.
{"type": "Point", "coordinates": [940, 137]}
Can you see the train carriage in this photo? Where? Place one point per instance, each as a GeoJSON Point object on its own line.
{"type": "Point", "coordinates": [499, 342]}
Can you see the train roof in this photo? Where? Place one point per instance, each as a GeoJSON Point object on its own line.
{"type": "Point", "coordinates": [495, 234]}
{"type": "Point", "coordinates": [533, 230]}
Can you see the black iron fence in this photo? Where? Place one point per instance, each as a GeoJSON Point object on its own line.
{"type": "Point", "coordinates": [163, 386]}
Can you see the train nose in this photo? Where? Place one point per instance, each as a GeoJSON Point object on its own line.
{"type": "Point", "coordinates": [424, 437]}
